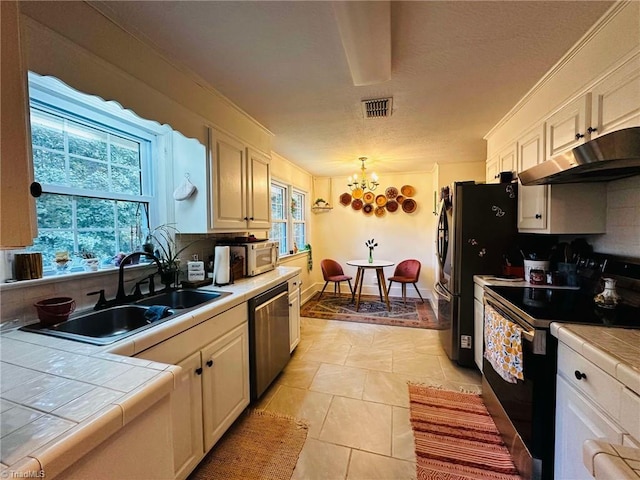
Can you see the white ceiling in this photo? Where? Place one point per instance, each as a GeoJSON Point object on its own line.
{"type": "Point", "coordinates": [457, 68]}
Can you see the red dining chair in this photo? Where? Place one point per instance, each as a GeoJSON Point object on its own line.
{"type": "Point", "coordinates": [407, 271]}
{"type": "Point", "coordinates": [332, 272]}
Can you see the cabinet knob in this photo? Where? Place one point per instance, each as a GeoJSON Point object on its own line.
{"type": "Point", "coordinates": [497, 175]}
{"type": "Point", "coordinates": [291, 304]}
{"type": "Point", "coordinates": [35, 189]}
{"type": "Point", "coordinates": [579, 375]}
{"type": "Point", "coordinates": [209, 363]}
{"type": "Point", "coordinates": [199, 371]}
{"type": "Point", "coordinates": [251, 218]}
{"type": "Point", "coordinates": [579, 136]}
{"type": "Point", "coordinates": [246, 218]}
{"type": "Point", "coordinates": [538, 216]}
{"type": "Point", "coordinates": [592, 130]}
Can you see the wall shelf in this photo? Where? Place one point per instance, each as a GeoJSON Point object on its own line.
{"type": "Point", "coordinates": [316, 209]}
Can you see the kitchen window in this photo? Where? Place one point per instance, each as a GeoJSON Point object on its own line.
{"type": "Point", "coordinates": [288, 217]}
{"type": "Point", "coordinates": [95, 172]}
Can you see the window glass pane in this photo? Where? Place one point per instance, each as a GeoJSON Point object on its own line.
{"type": "Point", "coordinates": [125, 152]}
{"type": "Point", "coordinates": [89, 175]}
{"type": "Point", "coordinates": [48, 167]}
{"type": "Point", "coordinates": [47, 130]}
{"type": "Point", "coordinates": [102, 243]}
{"type": "Point", "coordinates": [126, 180]}
{"type": "Point", "coordinates": [87, 142]}
{"type": "Point", "coordinates": [94, 212]}
{"type": "Point", "coordinates": [299, 236]}
{"type": "Point", "coordinates": [54, 211]}
{"type": "Point", "coordinates": [50, 242]}
{"type": "Point", "coordinates": [278, 202]}
{"type": "Point", "coordinates": [297, 206]}
{"type": "Point", "coordinates": [279, 233]}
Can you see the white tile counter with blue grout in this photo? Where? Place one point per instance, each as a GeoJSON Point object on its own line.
{"type": "Point", "coordinates": [59, 399]}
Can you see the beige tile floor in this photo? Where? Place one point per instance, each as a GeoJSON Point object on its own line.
{"type": "Point", "coordinates": [349, 380]}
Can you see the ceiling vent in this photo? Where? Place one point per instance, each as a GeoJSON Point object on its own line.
{"type": "Point", "coordinates": [377, 107]}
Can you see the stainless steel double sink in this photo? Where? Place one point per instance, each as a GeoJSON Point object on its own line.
{"type": "Point", "coordinates": [107, 326]}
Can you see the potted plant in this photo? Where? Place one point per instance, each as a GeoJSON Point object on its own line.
{"type": "Point", "coordinates": [320, 202]}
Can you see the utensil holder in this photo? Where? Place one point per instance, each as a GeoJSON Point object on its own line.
{"type": "Point", "coordinates": [534, 265]}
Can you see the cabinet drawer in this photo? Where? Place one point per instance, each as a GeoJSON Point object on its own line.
{"type": "Point", "coordinates": [599, 386]}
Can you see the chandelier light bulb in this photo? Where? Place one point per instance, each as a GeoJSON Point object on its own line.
{"type": "Point", "coordinates": [363, 183]}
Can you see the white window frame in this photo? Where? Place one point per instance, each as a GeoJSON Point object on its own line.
{"type": "Point", "coordinates": [52, 96]}
{"type": "Point", "coordinates": [288, 220]}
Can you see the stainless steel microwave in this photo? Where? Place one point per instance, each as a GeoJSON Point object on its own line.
{"type": "Point", "coordinates": [259, 257]}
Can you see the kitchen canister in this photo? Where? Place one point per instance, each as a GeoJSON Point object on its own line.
{"type": "Point", "coordinates": [27, 266]}
{"type": "Point", "coordinates": [534, 265]}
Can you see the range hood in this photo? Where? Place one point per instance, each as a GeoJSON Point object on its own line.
{"type": "Point", "coordinates": [609, 157]}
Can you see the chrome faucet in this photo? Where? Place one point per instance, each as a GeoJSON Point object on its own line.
{"type": "Point", "coordinates": [121, 296]}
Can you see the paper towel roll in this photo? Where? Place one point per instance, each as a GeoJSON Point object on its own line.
{"type": "Point", "coordinates": [221, 266]}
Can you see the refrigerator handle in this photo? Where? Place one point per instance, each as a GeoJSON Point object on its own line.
{"type": "Point", "coordinates": [441, 291]}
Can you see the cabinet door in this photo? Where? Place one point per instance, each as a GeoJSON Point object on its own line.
{"type": "Point", "coordinates": [228, 183]}
{"type": "Point", "coordinates": [578, 420]}
{"type": "Point", "coordinates": [294, 313]}
{"type": "Point", "coordinates": [259, 190]}
{"type": "Point", "coordinates": [567, 128]}
{"type": "Point", "coordinates": [615, 102]}
{"type": "Point", "coordinates": [478, 332]}
{"type": "Point", "coordinates": [17, 207]}
{"type": "Point", "coordinates": [492, 175]}
{"type": "Point", "coordinates": [186, 417]}
{"type": "Point", "coordinates": [225, 382]}
{"type": "Point", "coordinates": [507, 159]}
{"type": "Point", "coordinates": [532, 199]}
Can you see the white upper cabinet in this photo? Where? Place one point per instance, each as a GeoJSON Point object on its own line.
{"type": "Point", "coordinates": [532, 200]}
{"type": "Point", "coordinates": [492, 174]}
{"type": "Point", "coordinates": [567, 128]}
{"type": "Point", "coordinates": [233, 186]}
{"type": "Point", "coordinates": [615, 101]}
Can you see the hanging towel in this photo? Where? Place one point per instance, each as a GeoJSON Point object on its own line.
{"type": "Point", "coordinates": [503, 345]}
{"type": "Point", "coordinates": [185, 190]}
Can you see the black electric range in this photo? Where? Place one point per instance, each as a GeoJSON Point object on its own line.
{"type": "Point", "coordinates": [541, 306]}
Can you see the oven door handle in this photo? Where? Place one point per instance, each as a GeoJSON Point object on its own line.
{"type": "Point", "coordinates": [527, 334]}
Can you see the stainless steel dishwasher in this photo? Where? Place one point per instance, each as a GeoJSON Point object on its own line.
{"type": "Point", "coordinates": [268, 337]}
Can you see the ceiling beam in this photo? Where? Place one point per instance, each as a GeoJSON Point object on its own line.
{"type": "Point", "coordinates": [365, 30]}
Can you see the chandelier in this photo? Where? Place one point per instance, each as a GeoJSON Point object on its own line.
{"type": "Point", "coordinates": [362, 183]}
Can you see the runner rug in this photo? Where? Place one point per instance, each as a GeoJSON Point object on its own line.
{"type": "Point", "coordinates": [260, 445]}
{"type": "Point", "coordinates": [456, 438]}
{"type": "Point", "coordinates": [340, 307]}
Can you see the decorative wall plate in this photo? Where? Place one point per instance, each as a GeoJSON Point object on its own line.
{"type": "Point", "coordinates": [345, 199]}
{"type": "Point", "coordinates": [356, 204]}
{"type": "Point", "coordinates": [357, 193]}
{"type": "Point", "coordinates": [408, 191]}
{"type": "Point", "coordinates": [391, 192]}
{"type": "Point", "coordinates": [380, 211]}
{"type": "Point", "coordinates": [368, 197]}
{"type": "Point", "coordinates": [368, 209]}
{"type": "Point", "coordinates": [381, 200]}
{"type": "Point", "coordinates": [399, 199]}
{"type": "Point", "coordinates": [409, 205]}
{"type": "Point", "coordinates": [392, 206]}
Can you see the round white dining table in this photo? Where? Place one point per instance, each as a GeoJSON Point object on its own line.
{"type": "Point", "coordinates": [379, 266]}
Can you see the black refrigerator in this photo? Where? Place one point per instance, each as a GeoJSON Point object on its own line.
{"type": "Point", "coordinates": [477, 225]}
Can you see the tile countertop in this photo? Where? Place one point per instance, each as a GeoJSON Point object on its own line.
{"type": "Point", "coordinates": [67, 397]}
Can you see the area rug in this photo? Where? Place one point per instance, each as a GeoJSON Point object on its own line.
{"type": "Point", "coordinates": [340, 307]}
{"type": "Point", "coordinates": [456, 438]}
{"type": "Point", "coordinates": [260, 445]}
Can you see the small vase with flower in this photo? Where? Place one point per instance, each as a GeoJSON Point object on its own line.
{"type": "Point", "coordinates": [371, 244]}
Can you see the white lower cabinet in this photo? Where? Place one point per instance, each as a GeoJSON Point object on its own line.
{"type": "Point", "coordinates": [294, 312]}
{"type": "Point", "coordinates": [214, 387]}
{"type": "Point", "coordinates": [590, 405]}
{"type": "Point", "coordinates": [578, 420]}
{"type": "Point", "coordinates": [225, 383]}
